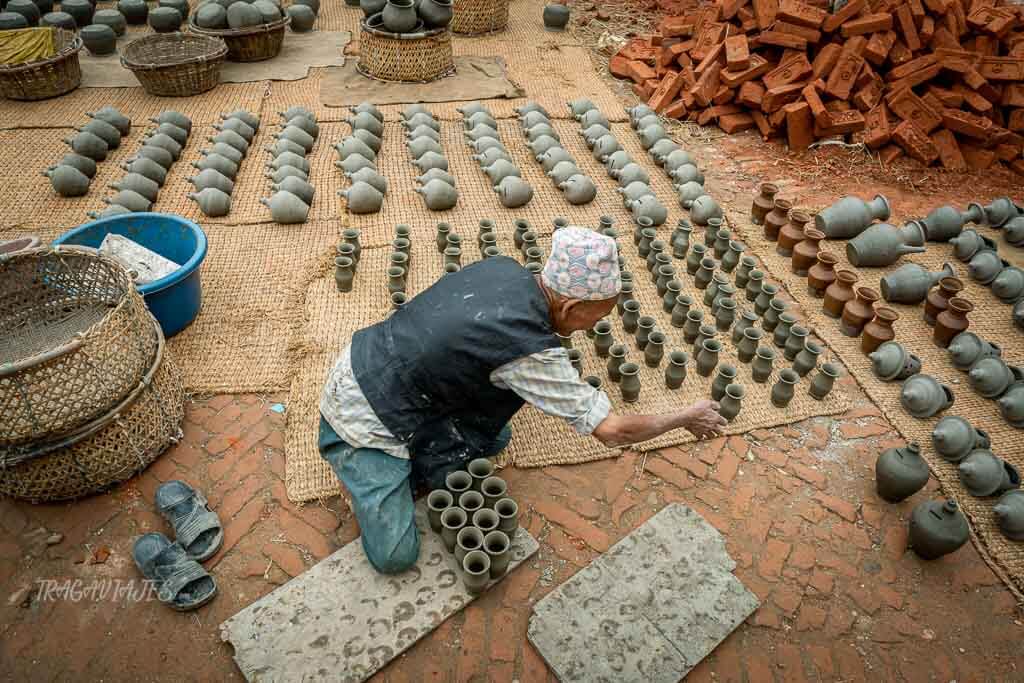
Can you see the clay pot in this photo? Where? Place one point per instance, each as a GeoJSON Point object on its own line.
{"type": "Point", "coordinates": [879, 329]}
{"type": "Point", "coordinates": [220, 148]}
{"type": "Point", "coordinates": [1009, 514]}
{"type": "Point", "coordinates": [858, 311]}
{"type": "Point", "coordinates": [84, 164]}
{"type": "Point", "coordinates": [435, 13]}
{"type": "Point", "coordinates": [631, 316]}
{"type": "Point", "coordinates": [629, 383]}
{"type": "Point", "coordinates": [286, 208]}
{"type": "Point", "coordinates": [725, 315]}
{"type": "Point", "coordinates": [747, 347]}
{"type": "Point", "coordinates": [675, 370]}
{"type": "Point", "coordinates": [983, 474]}
{"type": "Point", "coordinates": [514, 192]}
{"type": "Point", "coordinates": [166, 19]}
{"type": "Point", "coordinates": [603, 338]}
{"type": "Point", "coordinates": [807, 358]}
{"type": "Point", "coordinates": [923, 396]}
{"type": "Point", "coordinates": [67, 181]}
{"type": "Point", "coordinates": [497, 546]}
{"type": "Point", "coordinates": [438, 195]}
{"type": "Point", "coordinates": [883, 244]}
{"type": "Point", "coordinates": [839, 293]}
{"type": "Point", "coordinates": [707, 359]}
{"type": "Point", "coordinates": [211, 16]}
{"type": "Point", "coordinates": [775, 219]}
{"type": "Point", "coordinates": [1013, 231]}
{"type": "Point", "coordinates": [58, 20]}
{"type": "Point", "coordinates": [694, 258]}
{"type": "Point", "coordinates": [476, 566]}
{"type": "Point", "coordinates": [909, 284]}
{"type": "Point", "coordinates": [580, 189]}
{"type": "Point", "coordinates": [216, 162]}
{"type": "Point", "coordinates": [654, 349]}
{"type": "Point", "coordinates": [796, 342]}
{"type": "Point", "coordinates": [782, 392]}
{"type": "Point", "coordinates": [1009, 285]}
{"type": "Point", "coordinates": [764, 299]}
{"type": "Point", "coordinates": [680, 309]}
{"type": "Point", "coordinates": [111, 18]}
{"type": "Point", "coordinates": [1000, 211]}
{"type": "Point", "coordinates": [731, 402]}
{"type": "Point", "coordinates": [717, 280]}
{"type": "Point", "coordinates": [81, 10]}
{"type": "Point", "coordinates": [781, 332]}
{"type": "Point", "coordinates": [173, 147]}
{"type": "Point", "coordinates": [805, 253]}
{"type": "Point", "coordinates": [670, 300]}
{"type": "Point", "coordinates": [937, 528]}
{"type": "Point", "coordinates": [616, 357]}
{"type": "Point", "coordinates": [761, 367]}
{"type": "Point", "coordinates": [770, 320]}
{"type": "Point", "coordinates": [285, 172]}
{"type": "Point", "coordinates": [396, 279]}
{"type": "Point", "coordinates": [562, 171]}
{"type": "Point", "coordinates": [133, 201]}
{"type": "Point", "coordinates": [1011, 405]}
{"type": "Point", "coordinates": [692, 327]}
{"type": "Point", "coordinates": [644, 328]}
{"type": "Point", "coordinates": [990, 377]}
{"type": "Point", "coordinates": [891, 361]}
{"type": "Point", "coordinates": [952, 321]}
{"type": "Point", "coordinates": [688, 193]}
{"type": "Point", "coordinates": [88, 145]}
{"type": "Point", "coordinates": [1018, 314]}
{"type": "Point", "coordinates": [938, 297]}
{"type": "Point", "coordinates": [969, 243]}
{"type": "Point", "coordinates": [900, 473]}
{"type": "Point", "coordinates": [453, 520]}
{"type": "Point", "coordinates": [792, 233]}
{"type": "Point", "coordinates": [111, 210]}
{"type": "Point", "coordinates": [823, 381]}
{"type": "Point", "coordinates": [438, 501]}
{"type": "Point", "coordinates": [967, 348]}
{"type": "Point", "coordinates": [744, 320]}
{"type": "Point", "coordinates": [508, 516]}
{"type": "Point", "coordinates": [703, 276]}
{"type": "Point", "coordinates": [984, 266]}
{"type": "Point", "coordinates": [209, 178]}
{"type": "Point", "coordinates": [704, 208]}
{"type": "Point", "coordinates": [954, 438]}
{"type": "Point", "coordinates": [732, 257]}
{"type": "Point", "coordinates": [944, 223]}
{"type": "Point", "coordinates": [13, 20]}
{"type": "Point", "coordinates": [721, 245]}
{"type": "Point", "coordinates": [724, 377]}
{"type": "Point", "coordinates": [648, 205]}
{"type": "Point", "coordinates": [821, 274]}
{"type": "Point", "coordinates": [747, 264]}
{"type": "Point", "coordinates": [763, 202]}
{"type": "Point", "coordinates": [850, 216]}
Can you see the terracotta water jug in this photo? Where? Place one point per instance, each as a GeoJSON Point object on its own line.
{"type": "Point", "coordinates": [937, 528]}
{"type": "Point", "coordinates": [969, 243]}
{"type": "Point", "coordinates": [923, 396]}
{"type": "Point", "coordinates": [883, 244]}
{"type": "Point", "coordinates": [954, 438]}
{"type": "Point", "coordinates": [938, 297]}
{"type": "Point", "coordinates": [821, 274]}
{"type": "Point", "coordinates": [879, 329]}
{"type": "Point", "coordinates": [805, 252]}
{"type": "Point", "coordinates": [909, 284]}
{"type": "Point", "coordinates": [983, 474]}
{"type": "Point", "coordinates": [891, 361]}
{"type": "Point", "coordinates": [792, 233]}
{"type": "Point", "coordinates": [900, 473]}
{"type": "Point", "coordinates": [858, 311]}
{"type": "Point", "coordinates": [952, 321]}
{"type": "Point", "coordinates": [775, 219]}
{"type": "Point", "coordinates": [763, 202]}
{"type": "Point", "coordinates": [850, 216]}
{"type": "Point", "coordinates": [1009, 514]}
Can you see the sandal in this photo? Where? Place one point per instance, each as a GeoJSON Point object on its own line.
{"type": "Point", "coordinates": [196, 527]}
{"type": "Point", "coordinates": [181, 582]}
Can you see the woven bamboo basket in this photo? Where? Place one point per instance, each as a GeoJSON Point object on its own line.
{"type": "Point", "coordinates": [175, 64]}
{"type": "Point", "coordinates": [45, 78]}
{"type": "Point", "coordinates": [253, 44]}
{"type": "Point", "coordinates": [77, 338]}
{"type": "Point", "coordinates": [110, 449]}
{"type": "Point", "coordinates": [417, 57]}
{"type": "Point", "coordinates": [475, 17]}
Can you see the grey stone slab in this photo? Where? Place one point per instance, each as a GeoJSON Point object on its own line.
{"type": "Point", "coordinates": [342, 621]}
{"type": "Point", "coordinates": [650, 609]}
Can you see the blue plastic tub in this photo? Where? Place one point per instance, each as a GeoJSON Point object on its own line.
{"type": "Point", "coordinates": [174, 300]}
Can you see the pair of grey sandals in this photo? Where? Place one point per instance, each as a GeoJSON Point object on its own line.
{"type": "Point", "coordinates": [173, 566]}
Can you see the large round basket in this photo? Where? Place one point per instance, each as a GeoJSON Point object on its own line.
{"type": "Point", "coordinates": [175, 64]}
{"type": "Point", "coordinates": [253, 44]}
{"type": "Point", "coordinates": [76, 340]}
{"type": "Point", "coordinates": [48, 77]}
{"type": "Point", "coordinates": [407, 57]}
{"type": "Point", "coordinates": [108, 450]}
{"type": "Point", "coordinates": [473, 17]}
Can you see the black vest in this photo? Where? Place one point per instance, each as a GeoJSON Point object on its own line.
{"type": "Point", "coordinates": [426, 369]}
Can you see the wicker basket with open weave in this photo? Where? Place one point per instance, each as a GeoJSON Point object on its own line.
{"type": "Point", "coordinates": [250, 44]}
{"type": "Point", "coordinates": [77, 339]}
{"type": "Point", "coordinates": [475, 17]}
{"type": "Point", "coordinates": [407, 57]}
{"type": "Point", "coordinates": [44, 78]}
{"type": "Point", "coordinates": [175, 64]}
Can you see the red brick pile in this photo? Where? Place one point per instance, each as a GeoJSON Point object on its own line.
{"type": "Point", "coordinates": [938, 80]}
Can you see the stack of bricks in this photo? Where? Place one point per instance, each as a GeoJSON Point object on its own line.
{"type": "Point", "coordinates": [941, 81]}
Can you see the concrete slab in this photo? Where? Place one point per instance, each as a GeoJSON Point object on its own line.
{"type": "Point", "coordinates": [650, 609]}
{"type": "Point", "coordinates": [342, 621]}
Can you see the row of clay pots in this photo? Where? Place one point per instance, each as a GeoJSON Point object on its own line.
{"type": "Point", "coordinates": [289, 169]}
{"type": "Point", "coordinates": [423, 135]}
{"type": "Point", "coordinates": [546, 147]}
{"type": "Point", "coordinates": [347, 260]}
{"type": "Point", "coordinates": [357, 155]}
{"type": "Point", "coordinates": [790, 229]}
{"type": "Point", "coordinates": [399, 263]}
{"type": "Point", "coordinates": [482, 136]}
{"type": "Point", "coordinates": [219, 167]}
{"type": "Point", "coordinates": [73, 174]}
{"type": "Point", "coordinates": [990, 376]}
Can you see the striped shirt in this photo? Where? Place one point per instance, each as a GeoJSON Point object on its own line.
{"type": "Point", "coordinates": [546, 380]}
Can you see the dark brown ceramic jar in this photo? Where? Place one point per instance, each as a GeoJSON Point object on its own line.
{"type": "Point", "coordinates": [858, 311]}
{"type": "Point", "coordinates": [879, 329]}
{"type": "Point", "coordinates": [776, 218]}
{"type": "Point", "coordinates": [821, 274]}
{"type": "Point", "coordinates": [952, 321]}
{"type": "Point", "coordinates": [839, 292]}
{"type": "Point", "coordinates": [939, 296]}
{"type": "Point", "coordinates": [763, 203]}
{"type": "Point", "coordinates": [792, 233]}
{"type": "Point", "coordinates": [805, 253]}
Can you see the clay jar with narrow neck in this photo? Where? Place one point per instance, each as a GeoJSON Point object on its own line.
{"type": "Point", "coordinates": [821, 274]}
{"type": "Point", "coordinates": [937, 528]}
{"type": "Point", "coordinates": [838, 293]}
{"type": "Point", "coordinates": [792, 233]}
{"type": "Point", "coordinates": [900, 473]}
{"type": "Point", "coordinates": [805, 253]}
{"type": "Point", "coordinates": [764, 201]}
{"type": "Point", "coordinates": [858, 311]}
{"type": "Point", "coordinates": [879, 329]}
{"type": "Point", "coordinates": [776, 218]}
{"type": "Point", "coordinates": [938, 297]}
{"type": "Point", "coordinates": [952, 321]}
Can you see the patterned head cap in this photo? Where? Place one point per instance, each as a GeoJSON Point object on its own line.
{"type": "Point", "coordinates": [583, 265]}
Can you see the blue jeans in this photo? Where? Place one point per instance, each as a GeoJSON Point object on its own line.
{"type": "Point", "coordinates": [381, 489]}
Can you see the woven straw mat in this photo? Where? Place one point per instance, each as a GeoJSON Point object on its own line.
{"type": "Point", "coordinates": [991, 319]}
{"type": "Point", "coordinates": [331, 318]}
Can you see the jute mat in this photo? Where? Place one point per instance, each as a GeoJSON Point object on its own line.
{"type": "Point", "coordinates": [990, 319]}
{"type": "Point", "coordinates": [331, 318]}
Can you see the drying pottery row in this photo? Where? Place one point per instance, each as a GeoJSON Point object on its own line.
{"type": "Point", "coordinates": [546, 148]}
{"type": "Point", "coordinates": [477, 522]}
{"type": "Point", "coordinates": [288, 169]}
{"type": "Point", "coordinates": [482, 136]}
{"type": "Point", "coordinates": [423, 132]}
{"type": "Point", "coordinates": [794, 237]}
{"type": "Point", "coordinates": [357, 160]}
{"type": "Point", "coordinates": [989, 375]}
{"type": "Point", "coordinates": [73, 174]}
{"type": "Point", "coordinates": [215, 181]}
{"type": "Point", "coordinates": [398, 265]}
{"type": "Point", "coordinates": [347, 259]}
{"type": "Point", "coordinates": [678, 164]}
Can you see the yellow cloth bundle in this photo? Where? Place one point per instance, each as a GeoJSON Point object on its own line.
{"type": "Point", "coordinates": [22, 45]}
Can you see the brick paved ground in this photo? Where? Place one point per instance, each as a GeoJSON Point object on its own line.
{"type": "Point", "coordinates": [843, 598]}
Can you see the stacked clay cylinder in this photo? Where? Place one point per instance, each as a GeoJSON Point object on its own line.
{"type": "Point", "coordinates": [357, 160]}
{"type": "Point", "coordinates": [72, 175]}
{"type": "Point", "coordinates": [545, 146]}
{"type": "Point", "coordinates": [482, 136]}
{"type": "Point", "coordinates": [288, 169]}
{"type": "Point", "coordinates": [398, 265]}
{"type": "Point", "coordinates": [214, 181]}
{"type": "Point", "coordinates": [423, 139]}
{"type": "Point", "coordinates": [477, 521]}
{"type": "Point", "coordinates": [222, 16]}
{"type": "Point", "coordinates": [347, 259]}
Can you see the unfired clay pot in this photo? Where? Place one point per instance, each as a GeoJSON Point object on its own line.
{"type": "Point", "coordinates": [792, 233]}
{"type": "Point", "coordinates": [858, 311]}
{"type": "Point", "coordinates": [990, 377]}
{"type": "Point", "coordinates": [1009, 514]}
{"type": "Point", "coordinates": [823, 381]}
{"type": "Point", "coordinates": [909, 284]}
{"type": "Point", "coordinates": [777, 217]}
{"type": "Point", "coordinates": [954, 438]}
{"type": "Point", "coordinates": [900, 473]}
{"type": "Point", "coordinates": [891, 361]}
{"type": "Point", "coordinates": [970, 242]}
{"type": "Point", "coordinates": [923, 396]}
{"type": "Point", "coordinates": [1009, 285]}
{"type": "Point", "coordinates": [883, 244]}
{"type": "Point", "coordinates": [952, 321]}
{"type": "Point", "coordinates": [879, 329]}
{"type": "Point", "coordinates": [763, 202]}
{"type": "Point", "coordinates": [1011, 405]}
{"type": "Point", "coordinates": [850, 216]}
{"type": "Point", "coordinates": [985, 266]}
{"type": "Point", "coordinates": [839, 293]}
{"type": "Point", "coordinates": [983, 474]}
{"type": "Point", "coordinates": [937, 528]}
{"type": "Point", "coordinates": [967, 348]}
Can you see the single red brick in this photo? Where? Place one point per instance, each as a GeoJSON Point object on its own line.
{"type": "Point", "coordinates": [676, 110]}
{"type": "Point", "coordinates": [727, 466]}
{"type": "Point", "coordinates": [867, 24]}
{"type": "Point", "coordinates": [878, 47]}
{"type": "Point", "coordinates": [236, 499]}
{"type": "Point", "coordinates": [1013, 94]}
{"type": "Point", "coordinates": [826, 60]}
{"type": "Point", "coordinates": [706, 85]}
{"type": "Point", "coordinates": [666, 92]}
{"type": "Point", "coordinates": [848, 11]}
{"type": "Point", "coordinates": [764, 12]}
{"type": "Point", "coordinates": [844, 75]}
{"type": "Point", "coordinates": [750, 94]}
{"type": "Point", "coordinates": [839, 506]}
{"type": "Point", "coordinates": [912, 108]}
{"type": "Point", "coordinates": [801, 14]}
{"type": "Point", "coordinates": [965, 123]}
{"type": "Point", "coordinates": [619, 67]}
{"type": "Point", "coordinates": [949, 151]}
{"type": "Point", "coordinates": [786, 599]}
{"type": "Point", "coordinates": [763, 125]}
{"type": "Point", "coordinates": [812, 36]}
{"type": "Point", "coordinates": [737, 53]}
{"type": "Point", "coordinates": [788, 72]}
{"type": "Point", "coordinates": [675, 26]}
{"type": "Point", "coordinates": [640, 72]}
{"type": "Point", "coordinates": [779, 39]}
{"type": "Point", "coordinates": [237, 528]}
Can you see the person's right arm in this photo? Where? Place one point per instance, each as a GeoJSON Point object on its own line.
{"type": "Point", "coordinates": [701, 419]}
